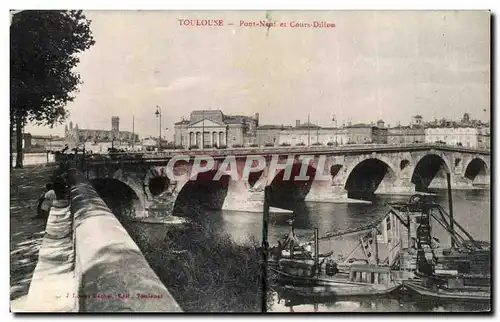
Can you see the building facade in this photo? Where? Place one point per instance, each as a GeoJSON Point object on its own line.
{"type": "Point", "coordinates": [211, 128]}
{"type": "Point", "coordinates": [366, 133]}
{"type": "Point", "coordinates": [300, 134]}
{"type": "Point", "coordinates": [405, 135]}
{"type": "Point", "coordinates": [484, 140]}
{"type": "Point", "coordinates": [462, 136]}
{"type": "Point", "coordinates": [76, 136]}
{"type": "Point", "coordinates": [40, 143]}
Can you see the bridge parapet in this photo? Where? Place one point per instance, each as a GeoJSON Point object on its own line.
{"type": "Point", "coordinates": [112, 272]}
{"type": "Point", "coordinates": [305, 150]}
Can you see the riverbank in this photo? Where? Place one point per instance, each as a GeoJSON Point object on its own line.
{"type": "Point", "coordinates": [204, 269]}
{"type": "Point", "coordinates": [26, 233]}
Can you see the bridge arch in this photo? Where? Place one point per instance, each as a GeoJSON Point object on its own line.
{"type": "Point", "coordinates": [430, 171]}
{"type": "Point", "coordinates": [403, 164]}
{"type": "Point", "coordinates": [116, 181]}
{"type": "Point", "coordinates": [157, 181]}
{"type": "Point", "coordinates": [200, 193]}
{"type": "Point", "coordinates": [287, 193]}
{"type": "Point", "coordinates": [122, 198]}
{"type": "Point", "coordinates": [477, 171]}
{"type": "Point", "coordinates": [365, 178]}
{"type": "Point", "coordinates": [335, 169]}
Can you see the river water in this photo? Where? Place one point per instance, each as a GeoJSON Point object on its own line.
{"type": "Point", "coordinates": [471, 209]}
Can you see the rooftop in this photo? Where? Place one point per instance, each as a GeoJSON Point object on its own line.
{"type": "Point", "coordinates": [360, 125]}
{"type": "Point", "coordinates": [273, 126]}
{"type": "Point", "coordinates": [307, 125]}
{"type": "Point", "coordinates": [182, 122]}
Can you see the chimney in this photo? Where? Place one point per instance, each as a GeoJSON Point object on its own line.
{"type": "Point", "coordinates": [297, 122]}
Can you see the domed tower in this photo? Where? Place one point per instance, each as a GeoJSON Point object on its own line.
{"type": "Point", "coordinates": [466, 118]}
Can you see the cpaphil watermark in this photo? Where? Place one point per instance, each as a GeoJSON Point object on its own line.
{"type": "Point", "coordinates": [293, 168]}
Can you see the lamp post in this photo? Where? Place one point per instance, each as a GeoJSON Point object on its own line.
{"type": "Point", "coordinates": [203, 130]}
{"type": "Point", "coordinates": [158, 114]}
{"type": "Point", "coordinates": [166, 131]}
{"type": "Point", "coordinates": [308, 130]}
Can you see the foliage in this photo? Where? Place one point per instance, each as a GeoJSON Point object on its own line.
{"type": "Point", "coordinates": [43, 53]}
{"type": "Point", "coordinates": [42, 56]}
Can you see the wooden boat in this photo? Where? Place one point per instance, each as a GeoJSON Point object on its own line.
{"type": "Point", "coordinates": [482, 294]}
{"type": "Point", "coordinates": [290, 247]}
{"type": "Point", "coordinates": [321, 276]}
{"type": "Point", "coordinates": [363, 280]}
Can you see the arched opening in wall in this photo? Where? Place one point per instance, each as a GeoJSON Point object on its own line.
{"type": "Point", "coordinates": [253, 177]}
{"type": "Point", "coordinates": [403, 164]}
{"type": "Point", "coordinates": [334, 170]}
{"type": "Point", "coordinates": [118, 196]}
{"type": "Point", "coordinates": [201, 194]}
{"type": "Point", "coordinates": [366, 177]}
{"type": "Point", "coordinates": [157, 185]}
{"type": "Point", "coordinates": [477, 172]}
{"type": "Point", "coordinates": [430, 172]}
{"type": "Point", "coordinates": [290, 192]}
{"type": "Point", "coordinates": [457, 162]}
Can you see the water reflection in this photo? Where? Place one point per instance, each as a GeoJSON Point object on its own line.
{"type": "Point", "coordinates": [401, 303]}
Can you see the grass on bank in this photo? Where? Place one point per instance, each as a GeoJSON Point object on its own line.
{"type": "Point", "coordinates": [204, 269]}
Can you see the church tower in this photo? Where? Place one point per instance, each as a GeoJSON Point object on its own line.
{"type": "Point", "coordinates": [115, 127]}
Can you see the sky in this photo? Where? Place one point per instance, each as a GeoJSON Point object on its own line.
{"type": "Point", "coordinates": [372, 65]}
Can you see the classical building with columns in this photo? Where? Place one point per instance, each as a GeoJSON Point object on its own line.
{"type": "Point", "coordinates": [215, 129]}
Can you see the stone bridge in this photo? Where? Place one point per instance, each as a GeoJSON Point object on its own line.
{"type": "Point", "coordinates": [177, 181]}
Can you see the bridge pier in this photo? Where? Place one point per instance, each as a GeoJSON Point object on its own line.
{"type": "Point", "coordinates": [398, 186]}
{"type": "Point", "coordinates": [325, 191]}
{"type": "Point", "coordinates": [240, 197]}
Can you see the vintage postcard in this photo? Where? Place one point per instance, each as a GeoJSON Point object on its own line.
{"type": "Point", "coordinates": [250, 161]}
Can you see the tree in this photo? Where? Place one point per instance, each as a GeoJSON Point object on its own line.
{"type": "Point", "coordinates": [43, 52]}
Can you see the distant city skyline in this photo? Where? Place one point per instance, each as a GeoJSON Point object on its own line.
{"type": "Point", "coordinates": [372, 65]}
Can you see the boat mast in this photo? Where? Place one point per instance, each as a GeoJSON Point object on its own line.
{"type": "Point", "coordinates": [375, 244]}
{"type": "Point", "coordinates": [265, 248]}
{"type": "Point", "coordinates": [316, 250]}
{"type": "Point", "coordinates": [450, 203]}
